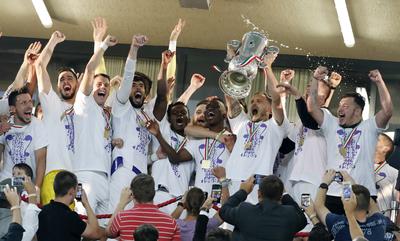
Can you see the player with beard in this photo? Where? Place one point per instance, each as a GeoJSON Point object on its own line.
{"type": "Point", "coordinates": [206, 152]}
{"type": "Point", "coordinates": [130, 115]}
{"type": "Point", "coordinates": [198, 115]}
{"type": "Point", "coordinates": [258, 139]}
{"type": "Point", "coordinates": [93, 127]}
{"type": "Point", "coordinates": [58, 116]}
{"type": "Point", "coordinates": [350, 140]}
{"type": "Point", "coordinates": [26, 141]}
{"type": "Point", "coordinates": [171, 180]}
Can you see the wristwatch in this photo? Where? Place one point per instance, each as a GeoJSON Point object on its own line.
{"type": "Point", "coordinates": [324, 186]}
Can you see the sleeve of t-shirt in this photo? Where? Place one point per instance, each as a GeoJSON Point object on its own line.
{"type": "Point", "coordinates": [40, 135]}
{"type": "Point", "coordinates": [283, 129]}
{"type": "Point", "coordinates": [83, 103]}
{"type": "Point", "coordinates": [331, 219]}
{"type": "Point", "coordinates": [293, 131]}
{"type": "Point", "coordinates": [115, 225]}
{"type": "Point", "coordinates": [328, 122]}
{"type": "Point", "coordinates": [237, 122]}
{"type": "Point", "coordinates": [76, 224]}
{"type": "Point", "coordinates": [177, 233]}
{"type": "Point", "coordinates": [4, 108]}
{"type": "Point", "coordinates": [50, 103]}
{"type": "Point", "coordinates": [2, 139]}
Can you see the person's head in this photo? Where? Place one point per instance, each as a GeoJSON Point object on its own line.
{"type": "Point", "coordinates": [38, 111]}
{"type": "Point", "coordinates": [350, 109]}
{"type": "Point", "coordinates": [101, 88]}
{"type": "Point", "coordinates": [384, 148]}
{"type": "Point", "coordinates": [271, 188]}
{"type": "Point", "coordinates": [215, 113]}
{"type": "Point", "coordinates": [362, 196]}
{"type": "Point", "coordinates": [194, 200]}
{"type": "Point", "coordinates": [178, 116]}
{"type": "Point", "coordinates": [198, 116]}
{"type": "Point", "coordinates": [65, 185]}
{"type": "Point", "coordinates": [21, 170]}
{"type": "Point", "coordinates": [319, 233]}
{"type": "Point", "coordinates": [67, 83]}
{"type": "Point", "coordinates": [141, 86]}
{"type": "Point", "coordinates": [142, 187]}
{"type": "Point", "coordinates": [21, 104]}
{"type": "Point", "coordinates": [260, 107]}
{"type": "Point", "coordinates": [219, 234]}
{"type": "Point", "coordinates": [146, 232]}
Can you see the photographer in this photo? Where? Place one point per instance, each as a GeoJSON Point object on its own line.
{"type": "Point", "coordinates": [15, 230]}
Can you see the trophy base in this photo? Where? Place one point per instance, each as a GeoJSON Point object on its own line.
{"type": "Point", "coordinates": [235, 84]}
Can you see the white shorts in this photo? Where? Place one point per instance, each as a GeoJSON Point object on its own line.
{"type": "Point", "coordinates": [120, 179]}
{"type": "Point", "coordinates": [96, 187]}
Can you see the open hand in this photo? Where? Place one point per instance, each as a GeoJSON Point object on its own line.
{"type": "Point", "coordinates": [32, 53]}
{"type": "Point", "coordinates": [153, 127]}
{"type": "Point", "coordinates": [99, 25]}
{"type": "Point", "coordinates": [177, 30]}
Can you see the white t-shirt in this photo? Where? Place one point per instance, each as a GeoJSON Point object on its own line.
{"type": "Point", "coordinates": [214, 152]}
{"type": "Point", "coordinates": [309, 159]}
{"type": "Point", "coordinates": [129, 125]}
{"type": "Point", "coordinates": [93, 135]}
{"type": "Point", "coordinates": [175, 177]}
{"type": "Point", "coordinates": [259, 156]}
{"type": "Point", "coordinates": [385, 177]}
{"type": "Point", "coordinates": [359, 157]}
{"type": "Point", "coordinates": [58, 120]}
{"type": "Point", "coordinates": [20, 144]}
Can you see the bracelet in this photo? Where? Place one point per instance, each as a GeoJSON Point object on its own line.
{"type": "Point", "coordinates": [180, 204]}
{"type": "Point", "coordinates": [103, 46]}
{"type": "Point", "coordinates": [225, 182]}
{"type": "Point", "coordinates": [14, 207]}
{"type": "Point", "coordinates": [32, 195]}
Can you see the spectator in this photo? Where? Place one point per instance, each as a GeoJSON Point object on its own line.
{"type": "Point", "coordinates": [275, 217]}
{"type": "Point", "coordinates": [360, 210]}
{"type": "Point", "coordinates": [219, 234]}
{"type": "Point", "coordinates": [58, 222]}
{"type": "Point", "coordinates": [146, 232]}
{"type": "Point", "coordinates": [318, 231]}
{"type": "Point", "coordinates": [123, 223]}
{"type": "Point", "coordinates": [15, 230]}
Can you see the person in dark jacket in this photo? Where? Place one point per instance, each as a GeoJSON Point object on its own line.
{"type": "Point", "coordinates": [276, 217]}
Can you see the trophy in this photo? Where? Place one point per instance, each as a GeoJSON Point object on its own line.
{"type": "Point", "coordinates": [244, 58]}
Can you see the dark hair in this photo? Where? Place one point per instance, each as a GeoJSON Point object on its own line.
{"type": "Point", "coordinates": [389, 143]}
{"type": "Point", "coordinates": [219, 234]}
{"type": "Point", "coordinates": [12, 98]}
{"type": "Point", "coordinates": [194, 199]}
{"type": "Point", "coordinates": [63, 182]}
{"type": "Point", "coordinates": [27, 169]}
{"type": "Point", "coordinates": [67, 69]}
{"type": "Point", "coordinates": [358, 99]}
{"type": "Point", "coordinates": [102, 75]}
{"type": "Point", "coordinates": [271, 187]}
{"type": "Point", "coordinates": [145, 79]}
{"type": "Point", "coordinates": [142, 187]}
{"type": "Point", "coordinates": [363, 197]}
{"type": "Point", "coordinates": [172, 105]}
{"type": "Point", "coordinates": [319, 233]}
{"type": "Point", "coordinates": [203, 102]}
{"type": "Point", "coordinates": [145, 232]}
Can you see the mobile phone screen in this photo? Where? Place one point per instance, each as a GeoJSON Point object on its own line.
{"type": "Point", "coordinates": [78, 196]}
{"type": "Point", "coordinates": [346, 190]}
{"type": "Point", "coordinates": [258, 178]}
{"type": "Point", "coordinates": [17, 181]}
{"type": "Point", "coordinates": [305, 199]}
{"type": "Point", "coordinates": [216, 192]}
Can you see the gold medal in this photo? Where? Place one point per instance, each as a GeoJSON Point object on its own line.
{"type": "Point", "coordinates": [343, 151]}
{"type": "Point", "coordinates": [248, 145]}
{"type": "Point", "coordinates": [106, 133]}
{"type": "Point", "coordinates": [205, 164]}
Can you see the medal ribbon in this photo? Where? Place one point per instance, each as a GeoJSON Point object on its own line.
{"type": "Point", "coordinates": [378, 168]}
{"type": "Point", "coordinates": [252, 131]}
{"type": "Point", "coordinates": [67, 112]}
{"type": "Point", "coordinates": [107, 117]}
{"type": "Point", "coordinates": [208, 148]}
{"type": "Point", "coordinates": [180, 145]}
{"type": "Point", "coordinates": [346, 142]}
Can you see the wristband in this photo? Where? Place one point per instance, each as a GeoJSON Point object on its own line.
{"type": "Point", "coordinates": [103, 46]}
{"type": "Point", "coordinates": [180, 204]}
{"type": "Point", "coordinates": [14, 207]}
{"type": "Point", "coordinates": [203, 213]}
{"type": "Point", "coordinates": [172, 46]}
{"type": "Point", "coordinates": [154, 157]}
{"type": "Point", "coordinates": [32, 195]}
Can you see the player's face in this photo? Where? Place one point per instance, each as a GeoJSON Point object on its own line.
{"type": "Point", "coordinates": [67, 85]}
{"type": "Point", "coordinates": [23, 108]}
{"type": "Point", "coordinates": [101, 89]}
{"type": "Point", "coordinates": [348, 112]}
{"type": "Point", "coordinates": [213, 113]}
{"type": "Point", "coordinates": [138, 94]}
{"type": "Point", "coordinates": [259, 107]}
{"type": "Point", "coordinates": [198, 117]}
{"type": "Point", "coordinates": [179, 118]}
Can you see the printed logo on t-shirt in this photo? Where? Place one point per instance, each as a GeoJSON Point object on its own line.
{"type": "Point", "coordinates": [17, 145]}
{"type": "Point", "coordinates": [300, 140]}
{"type": "Point", "coordinates": [144, 139]}
{"type": "Point", "coordinates": [70, 129]}
{"type": "Point", "coordinates": [175, 143]}
{"type": "Point", "coordinates": [253, 138]}
{"type": "Point", "coordinates": [212, 153]}
{"type": "Point", "coordinates": [351, 149]}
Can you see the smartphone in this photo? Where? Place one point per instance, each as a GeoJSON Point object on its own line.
{"type": "Point", "coordinates": [78, 195]}
{"type": "Point", "coordinates": [258, 178]}
{"type": "Point", "coordinates": [17, 181]}
{"type": "Point", "coordinates": [347, 190]}
{"type": "Point", "coordinates": [305, 199]}
{"type": "Point", "coordinates": [216, 192]}
{"type": "Point", "coordinates": [338, 177]}
{"type": "Point", "coordinates": [205, 195]}
{"type": "Point", "coordinates": [396, 138]}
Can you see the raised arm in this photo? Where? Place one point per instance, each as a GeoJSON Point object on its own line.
{"type": "Point", "coordinates": [173, 38]}
{"type": "Point", "coordinates": [312, 101]}
{"type": "Point", "coordinates": [99, 31]}
{"type": "Point", "coordinates": [319, 204]}
{"type": "Point", "coordinates": [234, 107]}
{"type": "Point", "coordinates": [161, 104]}
{"type": "Point", "coordinates": [87, 81]}
{"type": "Point", "coordinates": [196, 82]}
{"type": "Point", "coordinates": [43, 78]}
{"type": "Point", "coordinates": [130, 66]}
{"type": "Point", "coordinates": [350, 208]}
{"type": "Point", "coordinates": [334, 81]}
{"type": "Point", "coordinates": [271, 89]}
{"type": "Point", "coordinates": [92, 230]}
{"type": "Point", "coordinates": [40, 156]}
{"type": "Point", "coordinates": [174, 157]}
{"type": "Point", "coordinates": [383, 116]}
{"type": "Point", "coordinates": [31, 54]}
